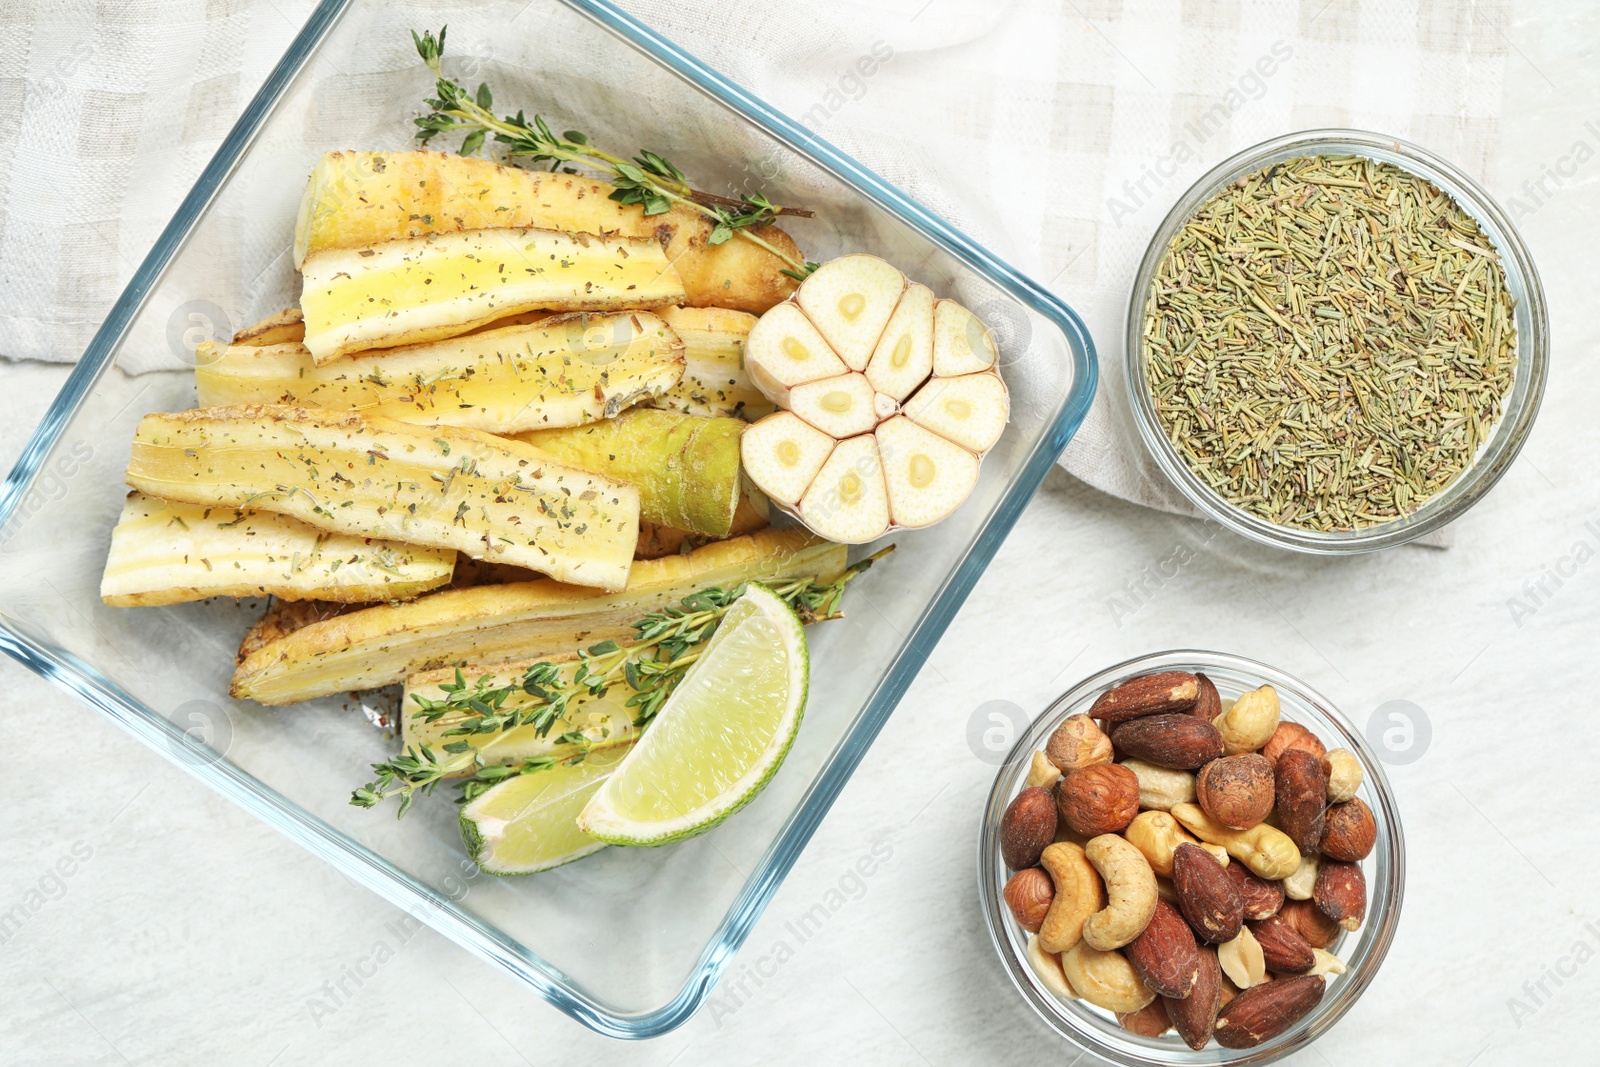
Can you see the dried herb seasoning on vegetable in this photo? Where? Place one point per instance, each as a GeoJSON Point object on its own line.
{"type": "Point", "coordinates": [1329, 342]}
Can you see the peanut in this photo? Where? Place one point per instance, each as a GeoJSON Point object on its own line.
{"type": "Point", "coordinates": [1242, 960]}
{"type": "Point", "coordinates": [1298, 885]}
{"type": "Point", "coordinates": [1041, 772]}
{"type": "Point", "coordinates": [1344, 774]}
{"type": "Point", "coordinates": [1250, 722]}
{"type": "Point", "coordinates": [1157, 834]}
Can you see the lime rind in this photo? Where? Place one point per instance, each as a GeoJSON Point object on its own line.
{"type": "Point", "coordinates": [527, 823]}
{"type": "Point", "coordinates": [602, 818]}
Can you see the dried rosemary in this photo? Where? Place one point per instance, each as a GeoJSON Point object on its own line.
{"type": "Point", "coordinates": [1329, 342]}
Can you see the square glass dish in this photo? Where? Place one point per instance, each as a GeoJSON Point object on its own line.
{"type": "Point", "coordinates": [352, 80]}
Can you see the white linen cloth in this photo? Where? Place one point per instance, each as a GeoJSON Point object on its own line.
{"type": "Point", "coordinates": [1058, 134]}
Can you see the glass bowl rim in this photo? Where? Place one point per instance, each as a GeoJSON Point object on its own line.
{"type": "Point", "coordinates": [1510, 432]}
{"type": "Point", "coordinates": [1370, 949]}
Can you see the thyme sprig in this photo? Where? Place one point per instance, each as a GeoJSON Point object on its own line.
{"type": "Point", "coordinates": [648, 179]}
{"type": "Point", "coordinates": [665, 645]}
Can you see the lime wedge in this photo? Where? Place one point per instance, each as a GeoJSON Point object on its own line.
{"type": "Point", "coordinates": [529, 823]}
{"type": "Point", "coordinates": [720, 735]}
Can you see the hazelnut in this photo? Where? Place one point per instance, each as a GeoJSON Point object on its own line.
{"type": "Point", "coordinates": [1292, 735]}
{"type": "Point", "coordinates": [1028, 825]}
{"type": "Point", "coordinates": [1102, 799]}
{"type": "Point", "coordinates": [1318, 929]}
{"type": "Point", "coordinates": [1078, 742]}
{"type": "Point", "coordinates": [1349, 831]}
{"type": "Point", "coordinates": [1029, 894]}
{"type": "Point", "coordinates": [1236, 790]}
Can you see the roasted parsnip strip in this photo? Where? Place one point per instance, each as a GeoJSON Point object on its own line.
{"type": "Point", "coordinates": [714, 381]}
{"type": "Point", "coordinates": [565, 370]}
{"type": "Point", "coordinates": [489, 497]}
{"type": "Point", "coordinates": [166, 552]}
{"type": "Point", "coordinates": [606, 718]}
{"type": "Point", "coordinates": [686, 467]}
{"type": "Point", "coordinates": [426, 288]}
{"type": "Point", "coordinates": [357, 199]}
{"type": "Point", "coordinates": [498, 623]}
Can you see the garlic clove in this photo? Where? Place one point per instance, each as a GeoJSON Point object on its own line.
{"type": "Point", "coordinates": [840, 407]}
{"type": "Point", "coordinates": [962, 344]}
{"type": "Point", "coordinates": [926, 476]}
{"type": "Point", "coordinates": [784, 350]}
{"type": "Point", "coordinates": [884, 407]}
{"type": "Point", "coordinates": [782, 455]}
{"type": "Point", "coordinates": [904, 356]}
{"type": "Point", "coordinates": [970, 410]}
{"type": "Point", "coordinates": [850, 300]}
{"type": "Point", "coordinates": [848, 502]}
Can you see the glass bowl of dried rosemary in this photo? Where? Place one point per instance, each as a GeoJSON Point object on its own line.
{"type": "Point", "coordinates": [1337, 342]}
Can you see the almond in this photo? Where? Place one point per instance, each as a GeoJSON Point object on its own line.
{"type": "Point", "coordinates": [1101, 799]}
{"type": "Point", "coordinates": [1166, 954]}
{"type": "Point", "coordinates": [1301, 789]}
{"type": "Point", "coordinates": [1209, 703]}
{"type": "Point", "coordinates": [1236, 790]}
{"type": "Point", "coordinates": [1341, 893]}
{"type": "Point", "coordinates": [1148, 694]}
{"type": "Point", "coordinates": [1292, 735]}
{"type": "Point", "coordinates": [1206, 895]}
{"type": "Point", "coordinates": [1261, 897]}
{"type": "Point", "coordinates": [1195, 1015]}
{"type": "Point", "coordinates": [1028, 825]}
{"type": "Point", "coordinates": [1349, 831]}
{"type": "Point", "coordinates": [1179, 742]}
{"type": "Point", "coordinates": [1285, 951]}
{"type": "Point", "coordinates": [1308, 919]}
{"type": "Point", "coordinates": [1262, 1012]}
{"type": "Point", "coordinates": [1149, 1021]}
{"type": "Point", "coordinates": [1029, 894]}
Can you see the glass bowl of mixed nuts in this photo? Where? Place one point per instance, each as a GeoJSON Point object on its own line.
{"type": "Point", "coordinates": [1189, 858]}
{"type": "Point", "coordinates": [1336, 342]}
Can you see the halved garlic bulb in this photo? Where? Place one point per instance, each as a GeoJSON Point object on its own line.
{"type": "Point", "coordinates": [848, 501]}
{"type": "Point", "coordinates": [892, 398]}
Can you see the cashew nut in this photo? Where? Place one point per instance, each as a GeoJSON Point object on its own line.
{"type": "Point", "coordinates": [1079, 895]}
{"type": "Point", "coordinates": [1160, 788]}
{"type": "Point", "coordinates": [1242, 960]}
{"type": "Point", "coordinates": [1157, 835]}
{"type": "Point", "coordinates": [1041, 772]}
{"type": "Point", "coordinates": [1263, 848]}
{"type": "Point", "coordinates": [1344, 774]}
{"type": "Point", "coordinates": [1218, 853]}
{"type": "Point", "coordinates": [1298, 885]}
{"type": "Point", "coordinates": [1326, 962]}
{"type": "Point", "coordinates": [1105, 979]}
{"type": "Point", "coordinates": [1250, 722]}
{"type": "Point", "coordinates": [1130, 891]}
{"type": "Point", "coordinates": [1047, 965]}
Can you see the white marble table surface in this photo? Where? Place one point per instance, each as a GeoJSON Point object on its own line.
{"type": "Point", "coordinates": [192, 934]}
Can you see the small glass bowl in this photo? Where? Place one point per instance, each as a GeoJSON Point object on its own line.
{"type": "Point", "coordinates": [1361, 950]}
{"type": "Point", "coordinates": [1533, 335]}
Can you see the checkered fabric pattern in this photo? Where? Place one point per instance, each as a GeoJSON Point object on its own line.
{"type": "Point", "coordinates": [1058, 132]}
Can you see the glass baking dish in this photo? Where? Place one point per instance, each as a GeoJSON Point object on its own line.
{"type": "Point", "coordinates": [630, 941]}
